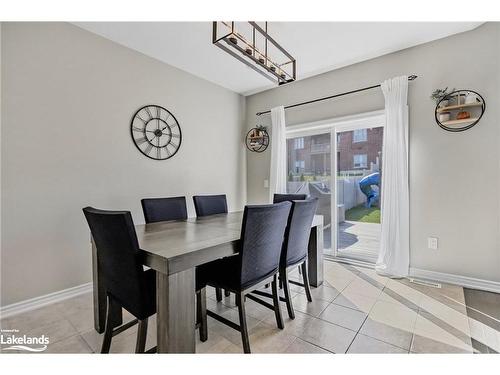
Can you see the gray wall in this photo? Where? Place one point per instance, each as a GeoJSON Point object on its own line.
{"type": "Point", "coordinates": [67, 99]}
{"type": "Point", "coordinates": [454, 178]}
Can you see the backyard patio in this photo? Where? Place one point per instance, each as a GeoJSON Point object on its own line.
{"type": "Point", "coordinates": [359, 235]}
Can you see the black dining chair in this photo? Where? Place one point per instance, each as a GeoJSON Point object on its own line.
{"type": "Point", "coordinates": [294, 252]}
{"type": "Point", "coordinates": [256, 264]}
{"type": "Point", "coordinates": [164, 209]}
{"type": "Point", "coordinates": [206, 205]}
{"type": "Point", "coordinates": [126, 283]}
{"type": "Point", "coordinates": [288, 197]}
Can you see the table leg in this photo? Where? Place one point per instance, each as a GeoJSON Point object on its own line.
{"type": "Point", "coordinates": [315, 256]}
{"type": "Point", "coordinates": [99, 295]}
{"type": "Point", "coordinates": [175, 301]}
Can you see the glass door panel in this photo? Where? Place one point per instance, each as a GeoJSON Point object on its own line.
{"type": "Point", "coordinates": [309, 172]}
{"type": "Point", "coordinates": [358, 163]}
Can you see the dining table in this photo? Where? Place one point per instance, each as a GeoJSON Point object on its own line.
{"type": "Point", "coordinates": [174, 249]}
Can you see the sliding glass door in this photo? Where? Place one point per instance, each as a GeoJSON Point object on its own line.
{"type": "Point", "coordinates": [339, 162]}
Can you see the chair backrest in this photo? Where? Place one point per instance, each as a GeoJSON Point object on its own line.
{"type": "Point", "coordinates": [118, 256]}
{"type": "Point", "coordinates": [164, 209]}
{"type": "Point", "coordinates": [298, 231]}
{"type": "Point", "coordinates": [210, 204]}
{"type": "Point", "coordinates": [262, 235]}
{"type": "Point", "coordinates": [288, 197]}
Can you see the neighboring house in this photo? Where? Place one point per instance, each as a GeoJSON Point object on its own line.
{"type": "Point", "coordinates": [356, 150]}
{"type": "Point", "coordinates": [309, 155]}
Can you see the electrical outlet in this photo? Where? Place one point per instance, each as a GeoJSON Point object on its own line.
{"type": "Point", "coordinates": [266, 183]}
{"type": "Point", "coordinates": [432, 243]}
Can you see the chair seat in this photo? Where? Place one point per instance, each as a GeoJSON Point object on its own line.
{"type": "Point", "coordinates": [224, 273]}
{"type": "Point", "coordinates": [285, 263]}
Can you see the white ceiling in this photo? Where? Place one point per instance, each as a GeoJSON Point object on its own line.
{"type": "Point", "coordinates": [317, 46]}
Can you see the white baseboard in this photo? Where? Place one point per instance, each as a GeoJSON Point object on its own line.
{"type": "Point", "coordinates": [464, 281]}
{"type": "Point", "coordinates": [37, 302]}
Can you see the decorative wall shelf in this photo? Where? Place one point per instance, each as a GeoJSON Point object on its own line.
{"type": "Point", "coordinates": [459, 122]}
{"type": "Point", "coordinates": [451, 110]}
{"type": "Point", "coordinates": [257, 139]}
{"type": "Point", "coordinates": [458, 106]}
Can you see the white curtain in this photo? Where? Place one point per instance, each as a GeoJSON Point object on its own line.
{"type": "Point", "coordinates": [277, 176]}
{"type": "Point", "coordinates": [394, 255]}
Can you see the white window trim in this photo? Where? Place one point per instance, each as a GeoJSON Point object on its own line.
{"type": "Point", "coordinates": [359, 121]}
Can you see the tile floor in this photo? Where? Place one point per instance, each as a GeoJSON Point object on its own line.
{"type": "Point", "coordinates": [355, 311]}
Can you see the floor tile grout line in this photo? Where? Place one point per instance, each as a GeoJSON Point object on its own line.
{"type": "Point", "coordinates": [364, 334]}
{"type": "Point", "coordinates": [74, 327]}
{"type": "Point", "coordinates": [411, 342]}
{"type": "Point", "coordinates": [359, 329]}
{"type": "Point", "coordinates": [316, 345]}
{"type": "Point", "coordinates": [87, 344]}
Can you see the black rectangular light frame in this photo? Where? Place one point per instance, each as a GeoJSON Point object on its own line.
{"type": "Point", "coordinates": [224, 43]}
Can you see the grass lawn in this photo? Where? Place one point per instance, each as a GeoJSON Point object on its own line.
{"type": "Point", "coordinates": [363, 214]}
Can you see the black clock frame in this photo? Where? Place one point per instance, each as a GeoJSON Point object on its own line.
{"type": "Point", "coordinates": [149, 141]}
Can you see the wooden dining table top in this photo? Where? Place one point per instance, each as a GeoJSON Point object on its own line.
{"type": "Point", "coordinates": [175, 246]}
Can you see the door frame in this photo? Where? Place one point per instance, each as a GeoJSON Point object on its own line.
{"type": "Point", "coordinates": [334, 126]}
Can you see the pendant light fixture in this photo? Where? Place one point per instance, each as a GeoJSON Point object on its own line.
{"type": "Point", "coordinates": [252, 45]}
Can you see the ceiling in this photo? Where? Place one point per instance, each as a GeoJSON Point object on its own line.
{"type": "Point", "coordinates": [317, 46]}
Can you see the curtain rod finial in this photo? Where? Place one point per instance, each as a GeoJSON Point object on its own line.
{"type": "Point", "coordinates": [412, 77]}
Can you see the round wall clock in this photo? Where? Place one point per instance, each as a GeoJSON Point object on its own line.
{"type": "Point", "coordinates": [156, 132]}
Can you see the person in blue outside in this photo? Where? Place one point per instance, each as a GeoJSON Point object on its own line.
{"type": "Point", "coordinates": [366, 186]}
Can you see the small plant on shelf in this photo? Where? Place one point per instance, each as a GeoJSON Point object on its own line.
{"type": "Point", "coordinates": [441, 94]}
{"type": "Point", "coordinates": [261, 128]}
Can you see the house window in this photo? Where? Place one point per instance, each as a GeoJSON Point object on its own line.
{"type": "Point", "coordinates": [298, 143]}
{"type": "Point", "coordinates": [360, 161]}
{"type": "Point", "coordinates": [359, 135]}
{"type": "Point", "coordinates": [300, 165]}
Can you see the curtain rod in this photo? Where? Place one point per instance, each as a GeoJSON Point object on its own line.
{"type": "Point", "coordinates": [410, 78]}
